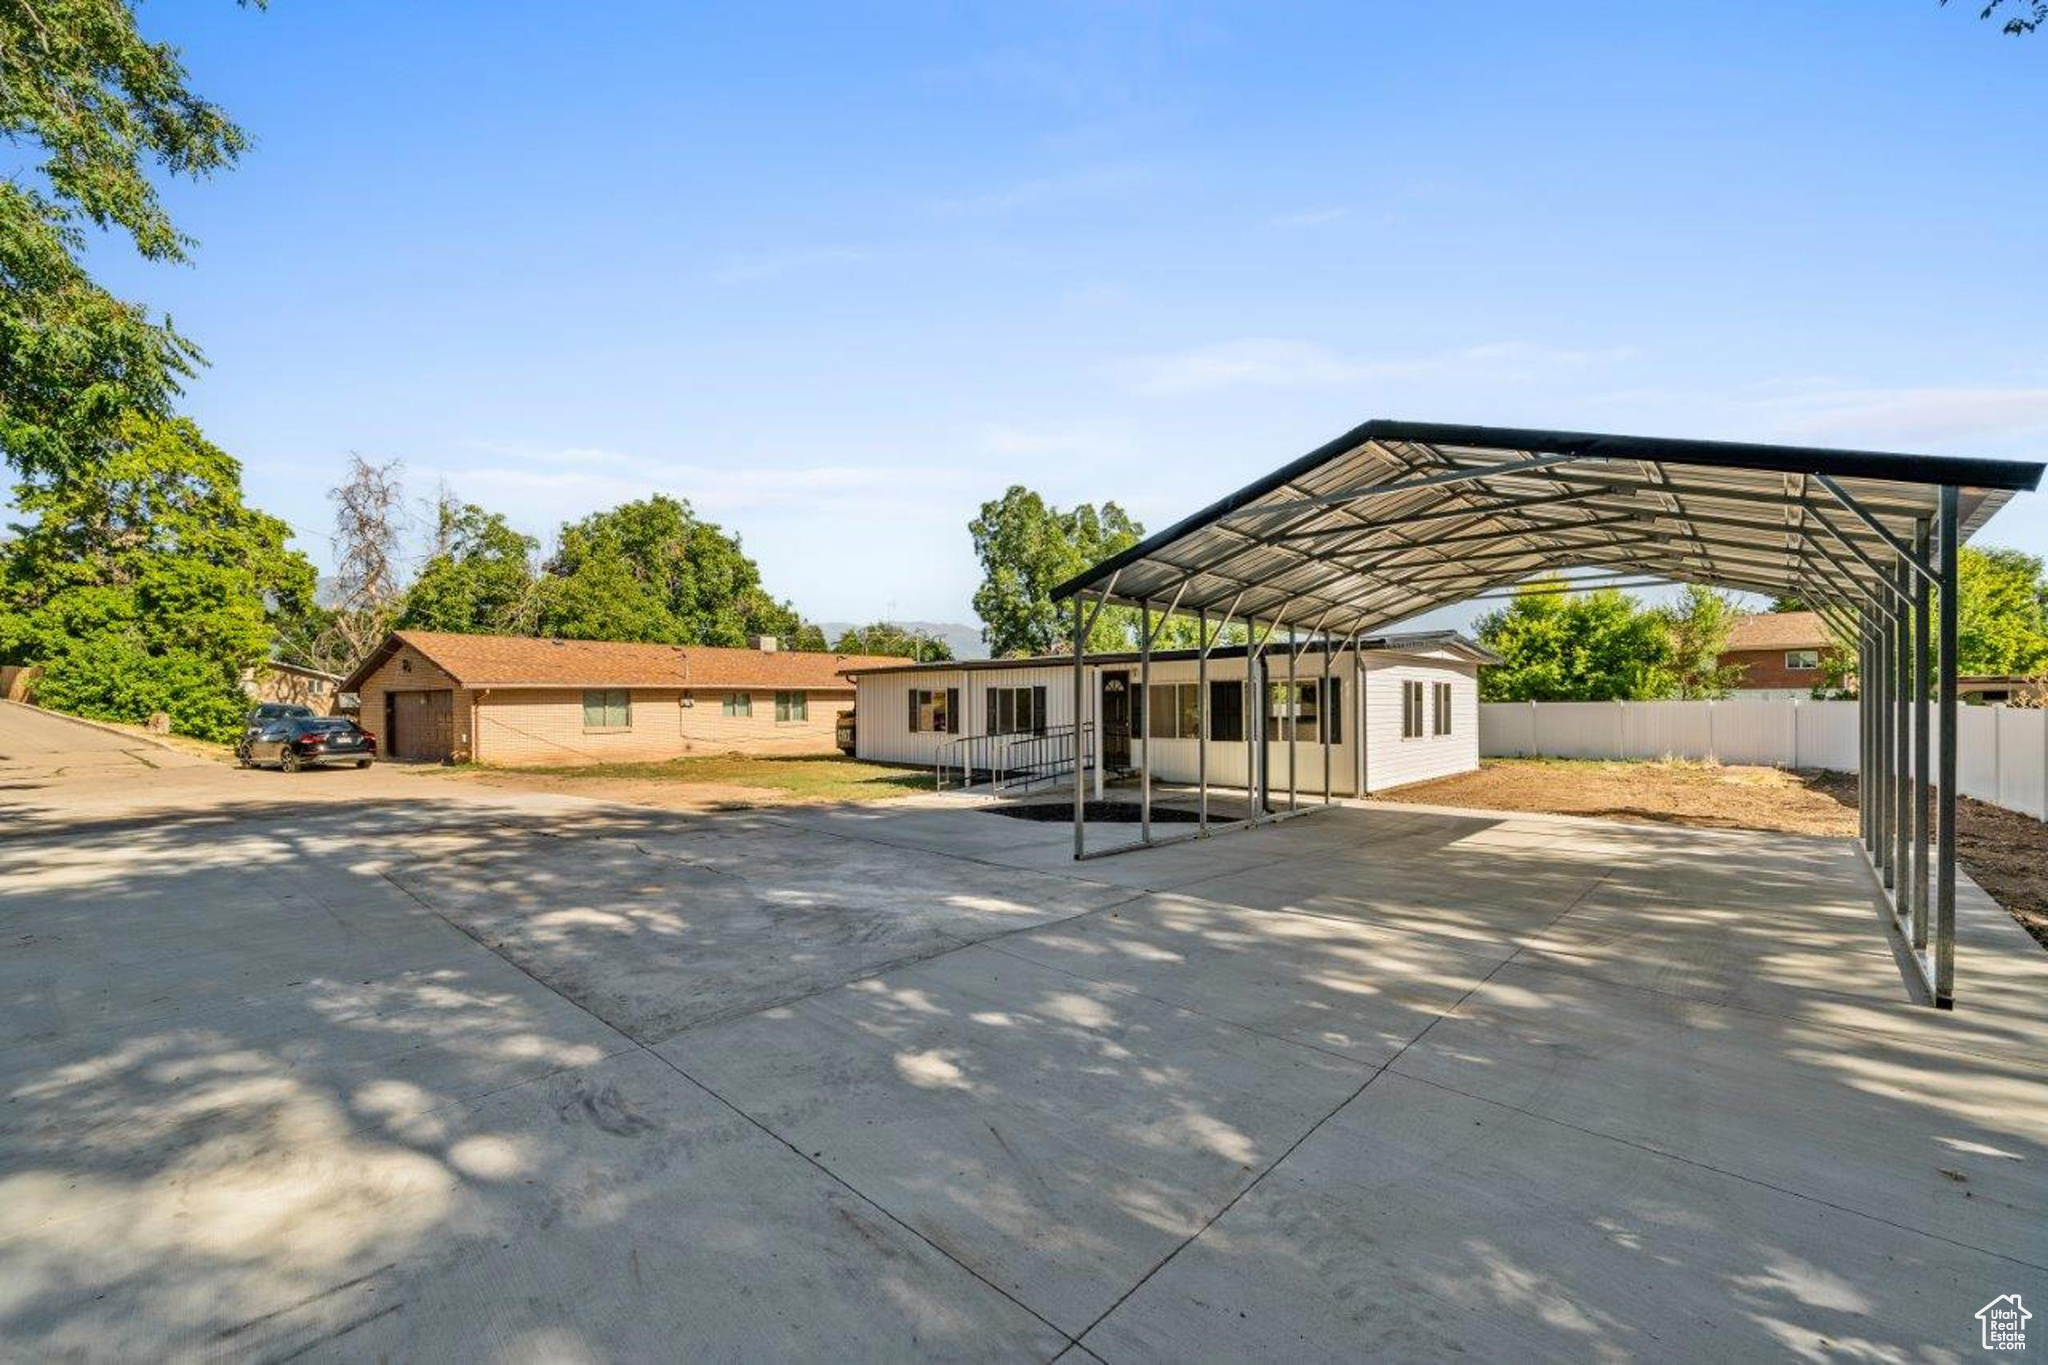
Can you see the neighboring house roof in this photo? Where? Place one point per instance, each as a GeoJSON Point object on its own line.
{"type": "Point", "coordinates": [1778, 630]}
{"type": "Point", "coordinates": [1449, 641]}
{"type": "Point", "coordinates": [300, 670]}
{"type": "Point", "coordinates": [518, 661]}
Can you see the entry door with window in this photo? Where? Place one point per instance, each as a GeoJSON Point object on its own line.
{"type": "Point", "coordinates": [1116, 718]}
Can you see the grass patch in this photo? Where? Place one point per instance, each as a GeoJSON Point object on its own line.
{"type": "Point", "coordinates": [803, 777]}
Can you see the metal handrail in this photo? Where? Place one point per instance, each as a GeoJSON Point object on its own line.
{"type": "Point", "coordinates": [999, 757]}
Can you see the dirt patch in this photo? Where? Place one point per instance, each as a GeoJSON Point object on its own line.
{"type": "Point", "coordinates": [2004, 851]}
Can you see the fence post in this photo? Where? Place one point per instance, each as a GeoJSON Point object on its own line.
{"type": "Point", "coordinates": [1792, 716]}
{"type": "Point", "coordinates": [1997, 754]}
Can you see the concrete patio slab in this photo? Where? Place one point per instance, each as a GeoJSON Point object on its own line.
{"type": "Point", "coordinates": [409, 1069]}
{"type": "Point", "coordinates": [1056, 1135]}
{"type": "Point", "coordinates": [1419, 1224]}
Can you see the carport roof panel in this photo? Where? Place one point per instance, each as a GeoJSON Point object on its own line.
{"type": "Point", "coordinates": [1395, 517]}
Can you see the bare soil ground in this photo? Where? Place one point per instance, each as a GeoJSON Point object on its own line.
{"type": "Point", "coordinates": [2006, 852]}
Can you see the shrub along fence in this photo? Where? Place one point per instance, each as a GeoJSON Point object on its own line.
{"type": "Point", "coordinates": [2002, 753]}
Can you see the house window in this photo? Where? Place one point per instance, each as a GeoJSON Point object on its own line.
{"type": "Point", "coordinates": [932, 710]}
{"type": "Point", "coordinates": [737, 704]}
{"type": "Point", "coordinates": [1016, 710]}
{"type": "Point", "coordinates": [1443, 708]}
{"type": "Point", "coordinates": [1304, 717]}
{"type": "Point", "coordinates": [1411, 710]}
{"type": "Point", "coordinates": [1802, 660]}
{"type": "Point", "coordinates": [791, 707]}
{"type": "Point", "coordinates": [1175, 711]}
{"type": "Point", "coordinates": [1226, 711]}
{"type": "Point", "coordinates": [607, 708]}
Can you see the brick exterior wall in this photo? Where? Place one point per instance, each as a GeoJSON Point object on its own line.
{"type": "Point", "coordinates": [410, 671]}
{"type": "Point", "coordinates": [529, 726]}
{"type": "Point", "coordinates": [1766, 669]}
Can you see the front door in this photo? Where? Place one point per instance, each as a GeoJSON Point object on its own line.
{"type": "Point", "coordinates": [1116, 718]}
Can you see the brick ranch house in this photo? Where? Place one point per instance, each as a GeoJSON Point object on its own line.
{"type": "Point", "coordinates": [499, 699]}
{"type": "Point", "coordinates": [1780, 652]}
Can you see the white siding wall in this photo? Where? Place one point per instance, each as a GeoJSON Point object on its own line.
{"type": "Point", "coordinates": [1392, 761]}
{"type": "Point", "coordinates": [881, 707]}
{"type": "Point", "coordinates": [882, 731]}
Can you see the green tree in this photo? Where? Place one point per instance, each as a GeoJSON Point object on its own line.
{"type": "Point", "coordinates": [1696, 629]}
{"type": "Point", "coordinates": [2032, 15]}
{"type": "Point", "coordinates": [1594, 646]}
{"type": "Point", "coordinates": [1028, 547]}
{"type": "Point", "coordinates": [651, 570]}
{"type": "Point", "coordinates": [1785, 602]}
{"type": "Point", "coordinates": [2001, 612]}
{"type": "Point", "coordinates": [893, 640]}
{"type": "Point", "coordinates": [93, 108]}
{"type": "Point", "coordinates": [480, 579]}
{"type": "Point", "coordinates": [144, 583]}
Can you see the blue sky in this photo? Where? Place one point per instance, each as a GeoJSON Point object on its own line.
{"type": "Point", "coordinates": [839, 273]}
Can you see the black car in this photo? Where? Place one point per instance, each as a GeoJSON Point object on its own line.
{"type": "Point", "coordinates": [266, 713]}
{"type": "Point", "coordinates": [295, 742]}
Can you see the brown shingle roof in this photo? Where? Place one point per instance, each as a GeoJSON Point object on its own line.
{"type": "Point", "coordinates": [1779, 630]}
{"type": "Point", "coordinates": [516, 661]}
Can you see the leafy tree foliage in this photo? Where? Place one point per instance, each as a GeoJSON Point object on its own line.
{"type": "Point", "coordinates": [651, 570]}
{"type": "Point", "coordinates": [1696, 629]}
{"type": "Point", "coordinates": [2030, 16]}
{"type": "Point", "coordinates": [94, 107]}
{"type": "Point", "coordinates": [884, 638]}
{"type": "Point", "coordinates": [2001, 612]}
{"type": "Point", "coordinates": [145, 583]}
{"type": "Point", "coordinates": [1595, 646]}
{"type": "Point", "coordinates": [480, 580]}
{"type": "Point", "coordinates": [1028, 547]}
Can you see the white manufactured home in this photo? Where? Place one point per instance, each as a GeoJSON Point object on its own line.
{"type": "Point", "coordinates": [1414, 700]}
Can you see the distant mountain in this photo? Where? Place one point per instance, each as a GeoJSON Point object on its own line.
{"type": "Point", "coordinates": [964, 640]}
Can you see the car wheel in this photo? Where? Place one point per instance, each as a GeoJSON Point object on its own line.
{"type": "Point", "coordinates": [242, 759]}
{"type": "Point", "coordinates": [362, 763]}
{"type": "Point", "coordinates": [288, 761]}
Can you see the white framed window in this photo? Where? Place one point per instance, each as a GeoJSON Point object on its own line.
{"type": "Point", "coordinates": [1175, 711]}
{"type": "Point", "coordinates": [737, 704]}
{"type": "Point", "coordinates": [1411, 709]}
{"type": "Point", "coordinates": [791, 707]}
{"type": "Point", "coordinates": [607, 708]}
{"type": "Point", "coordinates": [1443, 709]}
{"type": "Point", "coordinates": [1802, 660]}
{"type": "Point", "coordinates": [1304, 717]}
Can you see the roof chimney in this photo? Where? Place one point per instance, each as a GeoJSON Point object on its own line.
{"type": "Point", "coordinates": [767, 644]}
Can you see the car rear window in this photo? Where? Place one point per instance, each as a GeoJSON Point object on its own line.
{"type": "Point", "coordinates": [318, 726]}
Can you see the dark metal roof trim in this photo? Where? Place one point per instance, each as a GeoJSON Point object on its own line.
{"type": "Point", "coordinates": [2002, 475]}
{"type": "Point", "coordinates": [1397, 643]}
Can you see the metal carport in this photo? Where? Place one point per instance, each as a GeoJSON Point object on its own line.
{"type": "Point", "coordinates": [1394, 518]}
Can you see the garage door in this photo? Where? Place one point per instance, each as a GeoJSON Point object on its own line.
{"type": "Point", "coordinates": [420, 726]}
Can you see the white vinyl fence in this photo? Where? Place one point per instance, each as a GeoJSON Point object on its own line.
{"type": "Point", "coordinates": [2001, 753]}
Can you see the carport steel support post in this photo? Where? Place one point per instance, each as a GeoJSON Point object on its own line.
{"type": "Point", "coordinates": [1922, 660]}
{"type": "Point", "coordinates": [1945, 807]}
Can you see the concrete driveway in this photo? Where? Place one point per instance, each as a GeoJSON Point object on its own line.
{"type": "Point", "coordinates": [358, 1066]}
